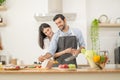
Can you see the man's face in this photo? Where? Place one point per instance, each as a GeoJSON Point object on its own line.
{"type": "Point", "coordinates": [60, 23]}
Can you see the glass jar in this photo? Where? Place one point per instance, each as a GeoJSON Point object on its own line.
{"type": "Point", "coordinates": [5, 57]}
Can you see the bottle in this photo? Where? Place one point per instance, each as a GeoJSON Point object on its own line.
{"type": "Point", "coordinates": [118, 40]}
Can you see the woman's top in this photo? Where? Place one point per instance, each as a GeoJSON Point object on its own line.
{"type": "Point", "coordinates": [46, 45]}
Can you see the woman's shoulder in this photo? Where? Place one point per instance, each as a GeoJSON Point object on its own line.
{"type": "Point", "coordinates": [46, 39]}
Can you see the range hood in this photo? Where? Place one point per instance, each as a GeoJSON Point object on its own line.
{"type": "Point", "coordinates": [54, 7]}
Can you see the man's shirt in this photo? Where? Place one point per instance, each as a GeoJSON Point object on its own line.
{"type": "Point", "coordinates": [71, 32]}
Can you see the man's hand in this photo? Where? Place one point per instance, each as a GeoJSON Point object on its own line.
{"type": "Point", "coordinates": [75, 51]}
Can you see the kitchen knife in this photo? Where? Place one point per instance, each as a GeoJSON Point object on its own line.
{"type": "Point", "coordinates": [71, 57]}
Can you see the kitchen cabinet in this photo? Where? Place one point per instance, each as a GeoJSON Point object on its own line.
{"type": "Point", "coordinates": [109, 25]}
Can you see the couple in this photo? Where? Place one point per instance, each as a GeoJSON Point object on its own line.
{"type": "Point", "coordinates": [63, 44]}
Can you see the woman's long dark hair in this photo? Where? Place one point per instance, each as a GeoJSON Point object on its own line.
{"type": "Point", "coordinates": [42, 35]}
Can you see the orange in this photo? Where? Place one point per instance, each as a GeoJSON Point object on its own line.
{"type": "Point", "coordinates": [96, 58]}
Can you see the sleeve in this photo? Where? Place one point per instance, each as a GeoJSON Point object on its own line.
{"type": "Point", "coordinates": [53, 44]}
{"type": "Point", "coordinates": [80, 38]}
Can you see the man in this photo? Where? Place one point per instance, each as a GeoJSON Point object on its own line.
{"type": "Point", "coordinates": [65, 38]}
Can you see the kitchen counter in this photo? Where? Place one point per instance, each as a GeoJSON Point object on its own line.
{"type": "Point", "coordinates": [56, 70]}
{"type": "Point", "coordinates": [110, 72]}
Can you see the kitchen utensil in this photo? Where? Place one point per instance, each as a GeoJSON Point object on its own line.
{"type": "Point", "coordinates": [44, 64]}
{"type": "Point", "coordinates": [48, 63]}
{"type": "Point", "coordinates": [71, 57]}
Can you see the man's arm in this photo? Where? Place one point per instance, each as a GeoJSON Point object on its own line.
{"type": "Point", "coordinates": [80, 40]}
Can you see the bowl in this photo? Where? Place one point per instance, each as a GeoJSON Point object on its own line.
{"type": "Point", "coordinates": [96, 61]}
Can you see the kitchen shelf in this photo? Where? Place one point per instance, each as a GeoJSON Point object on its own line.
{"type": "Point", "coordinates": [2, 24]}
{"type": "Point", "coordinates": [2, 8]}
{"type": "Point", "coordinates": [109, 25]}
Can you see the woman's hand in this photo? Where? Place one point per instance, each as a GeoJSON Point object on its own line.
{"type": "Point", "coordinates": [41, 58]}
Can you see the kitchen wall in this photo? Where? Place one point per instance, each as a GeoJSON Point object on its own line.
{"type": "Point", "coordinates": [20, 36]}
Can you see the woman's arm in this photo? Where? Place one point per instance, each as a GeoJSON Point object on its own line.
{"type": "Point", "coordinates": [44, 57]}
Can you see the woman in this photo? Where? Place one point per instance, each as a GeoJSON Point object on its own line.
{"type": "Point", "coordinates": [45, 35]}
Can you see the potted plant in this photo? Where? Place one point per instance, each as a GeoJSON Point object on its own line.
{"type": "Point", "coordinates": [2, 1]}
{"type": "Point", "coordinates": [94, 34]}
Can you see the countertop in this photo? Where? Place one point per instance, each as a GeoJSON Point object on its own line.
{"type": "Point", "coordinates": [110, 68]}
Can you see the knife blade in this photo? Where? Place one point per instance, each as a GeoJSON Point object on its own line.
{"type": "Point", "coordinates": [71, 57]}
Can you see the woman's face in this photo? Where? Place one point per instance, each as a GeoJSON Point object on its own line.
{"type": "Point", "coordinates": [48, 32]}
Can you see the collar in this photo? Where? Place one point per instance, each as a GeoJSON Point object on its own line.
{"type": "Point", "coordinates": [68, 33]}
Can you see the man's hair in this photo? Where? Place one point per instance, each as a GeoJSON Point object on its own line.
{"type": "Point", "coordinates": [59, 16]}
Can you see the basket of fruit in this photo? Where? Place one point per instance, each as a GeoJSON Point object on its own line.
{"type": "Point", "coordinates": [96, 61]}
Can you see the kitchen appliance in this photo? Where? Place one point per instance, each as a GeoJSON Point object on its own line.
{"type": "Point", "coordinates": [54, 7]}
{"type": "Point", "coordinates": [48, 63]}
{"type": "Point", "coordinates": [3, 59]}
{"type": "Point", "coordinates": [117, 55]}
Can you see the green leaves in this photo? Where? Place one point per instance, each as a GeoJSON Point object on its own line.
{"type": "Point", "coordinates": [2, 1]}
{"type": "Point", "coordinates": [94, 34]}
